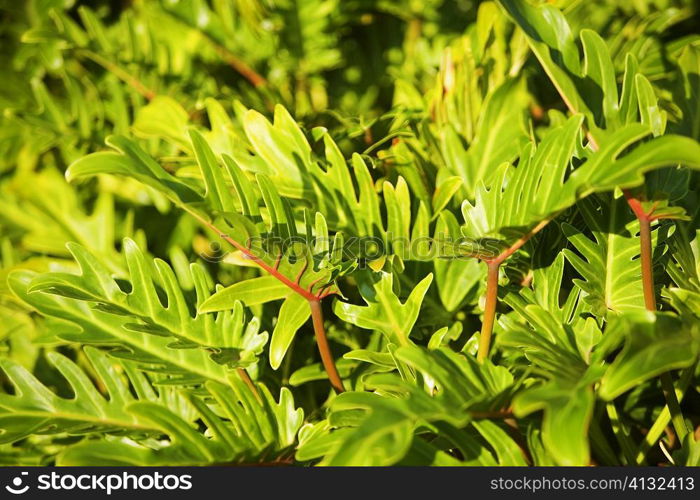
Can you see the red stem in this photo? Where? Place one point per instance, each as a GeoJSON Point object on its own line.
{"type": "Point", "coordinates": [645, 250]}
{"type": "Point", "coordinates": [645, 257]}
{"type": "Point", "coordinates": [323, 347]}
{"type": "Point", "coordinates": [314, 303]}
{"type": "Point", "coordinates": [308, 295]}
{"type": "Point", "coordinates": [516, 246]}
{"type": "Point", "coordinates": [646, 263]}
{"type": "Point", "coordinates": [241, 67]}
{"type": "Point", "coordinates": [243, 373]}
{"type": "Point", "coordinates": [119, 72]}
{"type": "Point", "coordinates": [489, 310]}
{"type": "Point", "coordinates": [492, 289]}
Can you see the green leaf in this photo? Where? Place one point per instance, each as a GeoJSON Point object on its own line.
{"type": "Point", "coordinates": [538, 188]}
{"type": "Point", "coordinates": [283, 148]}
{"type": "Point", "coordinates": [552, 41]}
{"type": "Point", "coordinates": [217, 192]}
{"type": "Point", "coordinates": [609, 265]}
{"type": "Point", "coordinates": [240, 426]}
{"type": "Point", "coordinates": [500, 135]}
{"type": "Point", "coordinates": [459, 380]}
{"type": "Point", "coordinates": [456, 277]}
{"type": "Point", "coordinates": [653, 344]}
{"type": "Point", "coordinates": [163, 117]}
{"type": "Point", "coordinates": [550, 344]}
{"type": "Point", "coordinates": [48, 213]}
{"type": "Point", "coordinates": [384, 310]}
{"type": "Point", "coordinates": [521, 197]}
{"type": "Point", "coordinates": [688, 92]}
{"type": "Point", "coordinates": [609, 168]}
{"type": "Point", "coordinates": [568, 409]}
{"type": "Point", "coordinates": [251, 292]}
{"type": "Point", "coordinates": [391, 423]}
{"type": "Point", "coordinates": [316, 371]}
{"type": "Point", "coordinates": [102, 313]}
{"type": "Point", "coordinates": [387, 434]}
{"type": "Point", "coordinates": [243, 229]}
{"type": "Point", "coordinates": [689, 454]}
{"type": "Point", "coordinates": [132, 161]}
{"type": "Point", "coordinates": [293, 314]}
{"type": "Point", "coordinates": [444, 193]}
{"type": "Point", "coordinates": [34, 409]}
{"type": "Point", "coordinates": [507, 451]}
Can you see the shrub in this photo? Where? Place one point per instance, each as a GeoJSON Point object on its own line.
{"type": "Point", "coordinates": [350, 233]}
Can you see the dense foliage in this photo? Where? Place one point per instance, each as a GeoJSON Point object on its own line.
{"type": "Point", "coordinates": [358, 232]}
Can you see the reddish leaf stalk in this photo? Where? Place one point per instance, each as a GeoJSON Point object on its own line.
{"type": "Point", "coordinates": [119, 72]}
{"type": "Point", "coordinates": [323, 347]}
{"type": "Point", "coordinates": [494, 265]}
{"type": "Point", "coordinates": [243, 373]}
{"type": "Point", "coordinates": [296, 287]}
{"type": "Point", "coordinates": [645, 261]}
{"type": "Point", "coordinates": [489, 310]}
{"type": "Point", "coordinates": [240, 66]}
{"type": "Point", "coordinates": [645, 250]}
{"type": "Point", "coordinates": [316, 314]}
{"type": "Point", "coordinates": [313, 299]}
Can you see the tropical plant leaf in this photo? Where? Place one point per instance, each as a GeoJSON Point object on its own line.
{"type": "Point", "coordinates": [500, 135]}
{"type": "Point", "coordinates": [563, 403]}
{"type": "Point", "coordinates": [384, 311]}
{"type": "Point", "coordinates": [251, 292]}
{"type": "Point", "coordinates": [232, 165]}
{"type": "Point", "coordinates": [544, 184]}
{"type": "Point", "coordinates": [248, 427]}
{"type": "Point", "coordinates": [653, 344]}
{"type": "Point", "coordinates": [293, 314]}
{"type": "Point", "coordinates": [609, 266]}
{"type": "Point", "coordinates": [392, 422]}
{"type": "Point", "coordinates": [35, 409]}
{"type": "Point", "coordinates": [138, 321]}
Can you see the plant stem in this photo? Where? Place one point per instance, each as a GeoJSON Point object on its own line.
{"type": "Point", "coordinates": [119, 72]}
{"type": "Point", "coordinates": [323, 347]}
{"type": "Point", "coordinates": [664, 417]}
{"type": "Point", "coordinates": [489, 310]}
{"type": "Point", "coordinates": [314, 302]}
{"type": "Point", "coordinates": [492, 289]}
{"type": "Point", "coordinates": [674, 406]}
{"type": "Point", "coordinates": [646, 263]}
{"type": "Point", "coordinates": [524, 239]}
{"type": "Point", "coordinates": [645, 252]}
{"type": "Point", "coordinates": [227, 56]}
{"type": "Point", "coordinates": [621, 433]}
{"type": "Point", "coordinates": [239, 65]}
{"type": "Point", "coordinates": [243, 373]}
